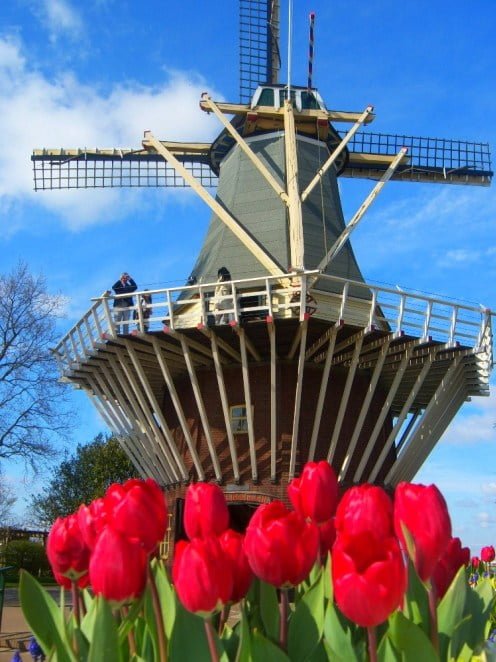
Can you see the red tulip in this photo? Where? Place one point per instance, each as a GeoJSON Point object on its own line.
{"type": "Point", "coordinates": [369, 577]}
{"type": "Point", "coordinates": [66, 551]}
{"type": "Point", "coordinates": [202, 575]}
{"type": "Point", "coordinates": [423, 511]}
{"type": "Point", "coordinates": [118, 567]}
{"type": "Point", "coordinates": [315, 494]}
{"type": "Point", "coordinates": [280, 545]}
{"type": "Point", "coordinates": [365, 508]}
{"type": "Point", "coordinates": [475, 562]}
{"type": "Point", "coordinates": [205, 511]}
{"type": "Point", "coordinates": [232, 545]}
{"type": "Point", "coordinates": [327, 536]}
{"type": "Point", "coordinates": [92, 520]}
{"type": "Point", "coordinates": [454, 557]}
{"type": "Point", "coordinates": [487, 554]}
{"type": "Point", "coordinates": [137, 509]}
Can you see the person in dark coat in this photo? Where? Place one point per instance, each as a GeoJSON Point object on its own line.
{"type": "Point", "coordinates": [122, 312]}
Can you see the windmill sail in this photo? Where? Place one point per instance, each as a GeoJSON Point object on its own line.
{"type": "Point", "coordinates": [259, 45]}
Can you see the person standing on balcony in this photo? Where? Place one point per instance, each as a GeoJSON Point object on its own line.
{"type": "Point", "coordinates": [222, 291]}
{"type": "Point", "coordinates": [122, 306]}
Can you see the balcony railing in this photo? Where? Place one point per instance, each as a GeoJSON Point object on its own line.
{"type": "Point", "coordinates": [277, 297]}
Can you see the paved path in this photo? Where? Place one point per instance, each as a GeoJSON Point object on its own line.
{"type": "Point", "coordinates": [15, 632]}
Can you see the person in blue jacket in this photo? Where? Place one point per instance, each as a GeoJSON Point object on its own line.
{"type": "Point", "coordinates": [122, 306]}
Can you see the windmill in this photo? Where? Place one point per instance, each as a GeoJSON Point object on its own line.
{"type": "Point", "coordinates": [293, 356]}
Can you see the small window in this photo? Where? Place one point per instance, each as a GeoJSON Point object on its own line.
{"type": "Point", "coordinates": [239, 421]}
{"type": "Point", "coordinates": [266, 97]}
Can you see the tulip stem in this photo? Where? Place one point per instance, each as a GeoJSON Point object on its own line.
{"type": "Point", "coordinates": [209, 630]}
{"type": "Point", "coordinates": [158, 616]}
{"type": "Point", "coordinates": [283, 614]}
{"type": "Point", "coordinates": [433, 614]}
{"type": "Point", "coordinates": [77, 613]}
{"type": "Point", "coordinates": [372, 641]}
{"type": "Point", "coordinates": [224, 615]}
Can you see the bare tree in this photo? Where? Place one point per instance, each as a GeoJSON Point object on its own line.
{"type": "Point", "coordinates": [33, 405]}
{"type": "Point", "coordinates": [7, 501]}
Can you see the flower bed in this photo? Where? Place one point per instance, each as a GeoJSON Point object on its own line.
{"type": "Point", "coordinates": [357, 578]}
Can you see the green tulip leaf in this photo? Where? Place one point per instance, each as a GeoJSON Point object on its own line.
{"type": "Point", "coordinates": [129, 618]}
{"type": "Point", "coordinates": [151, 633]}
{"type": "Point", "coordinates": [230, 641]}
{"type": "Point", "coordinates": [269, 610]}
{"type": "Point", "coordinates": [386, 652]}
{"type": "Point", "coordinates": [307, 624]}
{"type": "Point", "coordinates": [105, 641]}
{"type": "Point", "coordinates": [327, 573]}
{"type": "Point", "coordinates": [244, 649]}
{"type": "Point", "coordinates": [88, 622]}
{"type": "Point", "coordinates": [188, 640]}
{"type": "Point", "coordinates": [416, 606]}
{"type": "Point", "coordinates": [450, 610]}
{"type": "Point", "coordinates": [459, 648]}
{"type": "Point", "coordinates": [319, 654]}
{"type": "Point", "coordinates": [338, 636]}
{"type": "Point", "coordinates": [472, 631]}
{"type": "Point", "coordinates": [44, 618]}
{"type": "Point", "coordinates": [263, 650]}
{"type": "Point", "coordinates": [410, 639]}
{"type": "Point", "coordinates": [167, 597]}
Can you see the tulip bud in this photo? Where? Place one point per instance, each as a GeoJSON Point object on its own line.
{"type": "Point", "coordinates": [137, 509]}
{"type": "Point", "coordinates": [281, 545]}
{"type": "Point", "coordinates": [327, 536]}
{"type": "Point", "coordinates": [118, 567]}
{"type": "Point", "coordinates": [92, 520]}
{"type": "Point", "coordinates": [202, 575]}
{"type": "Point", "coordinates": [369, 577]}
{"type": "Point", "coordinates": [475, 561]}
{"type": "Point", "coordinates": [205, 511]}
{"type": "Point", "coordinates": [487, 554]}
{"type": "Point", "coordinates": [453, 558]}
{"type": "Point", "coordinates": [424, 513]}
{"type": "Point", "coordinates": [66, 551]}
{"type": "Point", "coordinates": [365, 508]}
{"type": "Point", "coordinates": [315, 494]}
{"type": "Point", "coordinates": [242, 575]}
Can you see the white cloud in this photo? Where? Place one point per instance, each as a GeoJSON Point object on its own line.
{"type": "Point", "coordinates": [37, 111]}
{"type": "Point", "coordinates": [474, 424]}
{"type": "Point", "coordinates": [60, 17]}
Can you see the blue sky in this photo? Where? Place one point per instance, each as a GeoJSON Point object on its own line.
{"type": "Point", "coordinates": [101, 72]}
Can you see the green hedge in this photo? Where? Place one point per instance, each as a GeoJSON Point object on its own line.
{"type": "Point", "coordinates": [28, 555]}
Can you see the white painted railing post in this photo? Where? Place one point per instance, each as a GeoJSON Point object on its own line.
{"type": "Point", "coordinates": [344, 296]}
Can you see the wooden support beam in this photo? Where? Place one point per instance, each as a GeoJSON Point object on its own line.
{"type": "Point", "coordinates": [225, 406]}
{"type": "Point", "coordinates": [127, 418]}
{"type": "Point", "coordinates": [409, 348]}
{"type": "Point", "coordinates": [443, 405]}
{"type": "Point", "coordinates": [322, 391]}
{"type": "Point", "coordinates": [208, 104]}
{"type": "Point", "coordinates": [238, 230]}
{"type": "Point", "coordinates": [271, 329]}
{"type": "Point", "coordinates": [345, 398]}
{"type": "Point", "coordinates": [249, 345]}
{"type": "Point", "coordinates": [297, 244]}
{"type": "Point", "coordinates": [397, 426]}
{"type": "Point", "coordinates": [343, 238]}
{"type": "Point", "coordinates": [365, 406]}
{"type": "Point", "coordinates": [297, 405]}
{"type": "Point", "coordinates": [201, 408]}
{"type": "Point", "coordinates": [248, 403]}
{"type": "Point", "coordinates": [222, 344]}
{"type": "Point", "coordinates": [169, 382]}
{"type": "Point", "coordinates": [337, 151]}
{"type": "Point", "coordinates": [159, 433]}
